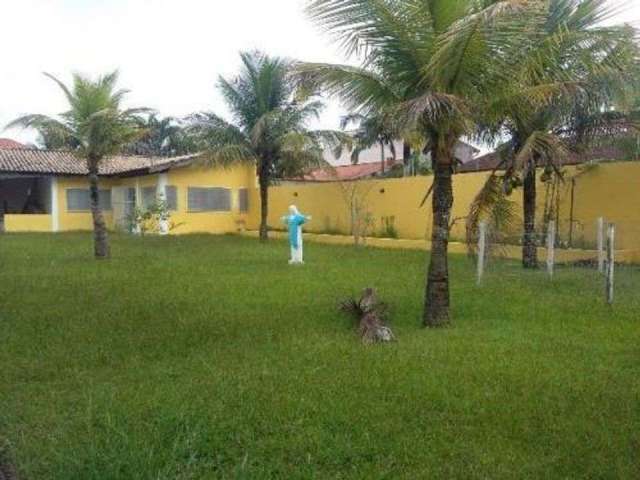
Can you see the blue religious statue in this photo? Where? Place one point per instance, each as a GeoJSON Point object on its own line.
{"type": "Point", "coordinates": [294, 222]}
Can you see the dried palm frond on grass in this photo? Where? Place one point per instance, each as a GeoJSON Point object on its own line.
{"type": "Point", "coordinates": [371, 315]}
{"type": "Point", "coordinates": [7, 470]}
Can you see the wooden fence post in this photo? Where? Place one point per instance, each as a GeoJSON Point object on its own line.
{"type": "Point", "coordinates": [611, 263]}
{"type": "Point", "coordinates": [551, 247]}
{"type": "Point", "coordinates": [482, 246]}
{"type": "Point", "coordinates": [601, 252]}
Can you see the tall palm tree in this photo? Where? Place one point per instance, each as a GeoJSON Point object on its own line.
{"type": "Point", "coordinates": [98, 126]}
{"type": "Point", "coordinates": [430, 61]}
{"type": "Point", "coordinates": [270, 126]}
{"type": "Point", "coordinates": [571, 71]}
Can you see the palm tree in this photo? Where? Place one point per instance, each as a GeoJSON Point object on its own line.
{"type": "Point", "coordinates": [570, 72]}
{"type": "Point", "coordinates": [371, 130]}
{"type": "Point", "coordinates": [55, 139]}
{"type": "Point", "coordinates": [98, 126]}
{"type": "Point", "coordinates": [163, 137]}
{"type": "Point", "coordinates": [431, 62]}
{"type": "Point", "coordinates": [270, 129]}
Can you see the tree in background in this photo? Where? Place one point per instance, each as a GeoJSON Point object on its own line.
{"type": "Point", "coordinates": [378, 129]}
{"type": "Point", "coordinates": [570, 71]}
{"type": "Point", "coordinates": [270, 127]}
{"type": "Point", "coordinates": [163, 137]}
{"type": "Point", "coordinates": [431, 63]}
{"type": "Point", "coordinates": [98, 126]}
{"type": "Point", "coordinates": [52, 138]}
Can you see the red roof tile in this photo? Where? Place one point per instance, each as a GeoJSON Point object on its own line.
{"type": "Point", "coordinates": [347, 172]}
{"type": "Point", "coordinates": [53, 162]}
{"type": "Point", "coordinates": [602, 154]}
{"type": "Point", "coordinates": [8, 143]}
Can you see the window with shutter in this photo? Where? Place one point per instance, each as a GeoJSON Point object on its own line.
{"type": "Point", "coordinates": [243, 200]}
{"type": "Point", "coordinates": [104, 199]}
{"type": "Point", "coordinates": [171, 197]}
{"type": "Point", "coordinates": [209, 199]}
{"type": "Point", "coordinates": [78, 200]}
{"type": "Point", "coordinates": [148, 197]}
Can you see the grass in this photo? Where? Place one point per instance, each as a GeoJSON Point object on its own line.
{"type": "Point", "coordinates": [204, 357]}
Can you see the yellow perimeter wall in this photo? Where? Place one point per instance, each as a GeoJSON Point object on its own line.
{"type": "Point", "coordinates": [611, 191]}
{"type": "Point", "coordinates": [27, 223]}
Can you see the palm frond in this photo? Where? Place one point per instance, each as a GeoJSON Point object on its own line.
{"type": "Point", "coordinates": [358, 88]}
{"type": "Point", "coordinates": [211, 129]}
{"type": "Point", "coordinates": [94, 125]}
{"type": "Point", "coordinates": [464, 51]}
{"type": "Point", "coordinates": [332, 139]}
{"type": "Point", "coordinates": [228, 154]}
{"type": "Point", "coordinates": [492, 205]}
{"type": "Point", "coordinates": [363, 26]}
{"type": "Point", "coordinates": [63, 87]}
{"type": "Point", "coordinates": [37, 121]}
{"type": "Point", "coordinates": [435, 108]}
{"type": "Point", "coordinates": [540, 148]}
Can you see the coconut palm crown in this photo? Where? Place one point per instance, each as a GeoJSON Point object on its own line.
{"type": "Point", "coordinates": [565, 80]}
{"type": "Point", "coordinates": [432, 62]}
{"type": "Point", "coordinates": [372, 130]}
{"type": "Point", "coordinates": [269, 128]}
{"type": "Point", "coordinates": [97, 126]}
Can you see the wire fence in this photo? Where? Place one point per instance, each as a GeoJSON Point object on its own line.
{"type": "Point", "coordinates": [596, 250]}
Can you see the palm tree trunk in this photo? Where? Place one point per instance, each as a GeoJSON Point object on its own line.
{"type": "Point", "coordinates": [406, 156]}
{"type": "Point", "coordinates": [264, 208]}
{"type": "Point", "coordinates": [529, 247]}
{"type": "Point", "coordinates": [382, 165]}
{"type": "Point", "coordinates": [100, 239]}
{"type": "Point", "coordinates": [436, 306]}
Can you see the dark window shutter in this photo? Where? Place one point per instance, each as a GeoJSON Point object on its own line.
{"type": "Point", "coordinates": [171, 197]}
{"type": "Point", "coordinates": [243, 200]}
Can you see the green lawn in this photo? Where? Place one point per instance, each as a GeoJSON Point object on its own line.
{"type": "Point", "coordinates": [209, 357]}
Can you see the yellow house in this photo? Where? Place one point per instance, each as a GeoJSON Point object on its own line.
{"type": "Point", "coordinates": [47, 191]}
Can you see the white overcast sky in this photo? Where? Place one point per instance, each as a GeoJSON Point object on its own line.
{"type": "Point", "coordinates": [169, 52]}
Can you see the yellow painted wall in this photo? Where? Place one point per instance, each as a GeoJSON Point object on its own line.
{"type": "Point", "coordinates": [235, 178]}
{"type": "Point", "coordinates": [70, 221]}
{"type": "Point", "coordinates": [400, 198]}
{"type": "Point", "coordinates": [611, 191]}
{"type": "Point", "coordinates": [27, 223]}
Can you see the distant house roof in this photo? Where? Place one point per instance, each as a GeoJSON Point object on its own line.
{"type": "Point", "coordinates": [491, 161]}
{"type": "Point", "coordinates": [6, 143]}
{"type": "Point", "coordinates": [55, 162]}
{"type": "Point", "coordinates": [463, 152]}
{"type": "Point", "coordinates": [348, 172]}
{"type": "Point", "coordinates": [370, 165]}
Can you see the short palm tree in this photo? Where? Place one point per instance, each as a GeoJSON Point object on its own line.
{"type": "Point", "coordinates": [430, 61]}
{"type": "Point", "coordinates": [270, 126]}
{"type": "Point", "coordinates": [371, 130]}
{"type": "Point", "coordinates": [163, 137]}
{"type": "Point", "coordinates": [570, 71]}
{"type": "Point", "coordinates": [98, 126]}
